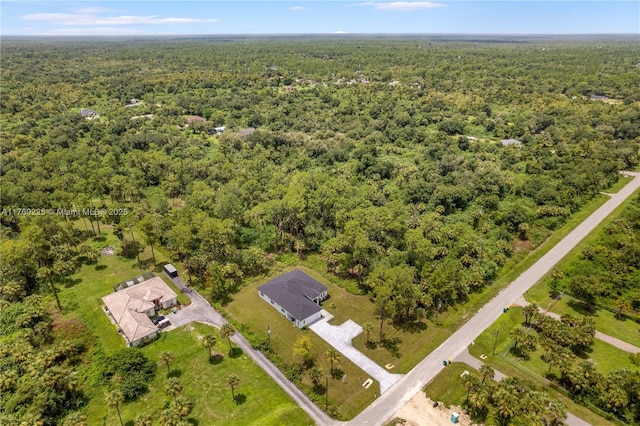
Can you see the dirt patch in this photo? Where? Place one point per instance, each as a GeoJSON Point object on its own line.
{"type": "Point", "coordinates": [522, 246]}
{"type": "Point", "coordinates": [68, 329]}
{"type": "Point", "coordinates": [419, 411]}
{"type": "Point", "coordinates": [107, 251]}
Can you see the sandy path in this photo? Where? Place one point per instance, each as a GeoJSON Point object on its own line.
{"type": "Point", "coordinates": [419, 411]}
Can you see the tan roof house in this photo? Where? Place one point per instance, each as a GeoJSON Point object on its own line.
{"type": "Point", "coordinates": [132, 307]}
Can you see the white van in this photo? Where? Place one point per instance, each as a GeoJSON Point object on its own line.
{"type": "Point", "coordinates": [164, 323]}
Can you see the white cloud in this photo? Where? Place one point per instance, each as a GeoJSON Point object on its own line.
{"type": "Point", "coordinates": [100, 31]}
{"type": "Point", "coordinates": [297, 8]}
{"type": "Point", "coordinates": [91, 19]}
{"type": "Point", "coordinates": [403, 6]}
{"type": "Point", "coordinates": [92, 10]}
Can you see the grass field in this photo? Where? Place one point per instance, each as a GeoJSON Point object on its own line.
{"type": "Point", "coordinates": [606, 358]}
{"type": "Point", "coordinates": [628, 330]}
{"type": "Point", "coordinates": [81, 296]}
{"type": "Point", "coordinates": [349, 397]}
{"type": "Point", "coordinates": [447, 385]}
{"type": "Point", "coordinates": [259, 401]}
{"type": "Point", "coordinates": [204, 383]}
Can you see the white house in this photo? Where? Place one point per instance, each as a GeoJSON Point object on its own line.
{"type": "Point", "coordinates": [132, 307]}
{"type": "Point", "coordinates": [296, 296]}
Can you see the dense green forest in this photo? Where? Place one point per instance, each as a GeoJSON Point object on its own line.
{"type": "Point", "coordinates": [381, 155]}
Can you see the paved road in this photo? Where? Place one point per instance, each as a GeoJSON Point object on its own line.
{"type": "Point", "coordinates": [474, 362]}
{"type": "Point", "coordinates": [200, 310]}
{"type": "Point", "coordinates": [388, 403]}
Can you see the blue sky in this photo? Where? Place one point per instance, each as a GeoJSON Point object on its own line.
{"type": "Point", "coordinates": [317, 17]}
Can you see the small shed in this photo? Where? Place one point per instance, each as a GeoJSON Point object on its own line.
{"type": "Point", "coordinates": [454, 417]}
{"type": "Point", "coordinates": [170, 270]}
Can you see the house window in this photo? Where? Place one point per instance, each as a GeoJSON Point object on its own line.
{"type": "Point", "coordinates": [282, 310]}
{"type": "Point", "coordinates": [271, 302]}
{"type": "Point", "coordinates": [261, 293]}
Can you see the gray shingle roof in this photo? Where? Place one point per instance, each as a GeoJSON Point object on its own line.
{"type": "Point", "coordinates": [293, 292]}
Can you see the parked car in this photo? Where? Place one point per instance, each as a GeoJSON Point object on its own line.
{"type": "Point", "coordinates": [157, 319]}
{"type": "Point", "coordinates": [164, 323]}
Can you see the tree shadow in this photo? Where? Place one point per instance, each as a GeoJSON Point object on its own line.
{"type": "Point", "coordinates": [371, 344]}
{"type": "Point", "coordinates": [584, 353]}
{"type": "Point", "coordinates": [192, 421]}
{"type": "Point", "coordinates": [175, 373]}
{"type": "Point", "coordinates": [391, 345]}
{"type": "Point", "coordinates": [337, 373]}
{"type": "Point", "coordinates": [70, 282]}
{"type": "Point", "coordinates": [100, 267]}
{"type": "Point", "coordinates": [216, 359]}
{"type": "Point", "coordinates": [581, 307]}
{"type": "Point", "coordinates": [319, 389]}
{"type": "Point", "coordinates": [100, 238]}
{"type": "Point", "coordinates": [518, 352]}
{"type": "Point", "coordinates": [412, 327]}
{"type": "Point", "coordinates": [241, 399]}
{"type": "Point", "coordinates": [235, 352]}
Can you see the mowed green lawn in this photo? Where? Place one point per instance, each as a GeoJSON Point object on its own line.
{"type": "Point", "coordinates": [406, 346]}
{"type": "Point", "coordinates": [349, 397]}
{"type": "Point", "coordinates": [605, 357]}
{"type": "Point", "coordinates": [606, 322]}
{"type": "Point", "coordinates": [447, 386]}
{"type": "Point", "coordinates": [82, 296]}
{"type": "Point", "coordinates": [626, 330]}
{"type": "Point", "coordinates": [264, 402]}
{"type": "Point", "coordinates": [259, 401]}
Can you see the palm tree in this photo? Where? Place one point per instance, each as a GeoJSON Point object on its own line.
{"type": "Point", "coordinates": [113, 400]}
{"type": "Point", "coordinates": [143, 419]}
{"type": "Point", "coordinates": [555, 413]}
{"type": "Point", "coordinates": [326, 375]}
{"type": "Point", "coordinates": [368, 328]}
{"type": "Point", "coordinates": [166, 357]}
{"type": "Point", "coordinates": [519, 336]}
{"type": "Point", "coordinates": [209, 341]}
{"type": "Point", "coordinates": [226, 332]}
{"type": "Point", "coordinates": [182, 406]}
{"type": "Point", "coordinates": [233, 381]}
{"type": "Point", "coordinates": [622, 304]}
{"type": "Point", "coordinates": [487, 372]}
{"type": "Point", "coordinates": [48, 273]}
{"type": "Point", "coordinates": [173, 387]}
{"type": "Point", "coordinates": [529, 312]}
{"type": "Point", "coordinates": [75, 419]}
{"type": "Point", "coordinates": [556, 275]}
{"type": "Point", "coordinates": [333, 356]}
{"type": "Point", "coordinates": [169, 418]}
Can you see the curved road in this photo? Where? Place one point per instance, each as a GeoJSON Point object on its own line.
{"type": "Point", "coordinates": [397, 396]}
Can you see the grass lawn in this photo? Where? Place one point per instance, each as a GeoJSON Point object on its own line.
{"type": "Point", "coordinates": [204, 383]}
{"type": "Point", "coordinates": [606, 322]}
{"type": "Point", "coordinates": [447, 386]}
{"type": "Point", "coordinates": [349, 397]}
{"type": "Point", "coordinates": [259, 401]}
{"type": "Point", "coordinates": [628, 330]}
{"type": "Point", "coordinates": [81, 296]}
{"type": "Point", "coordinates": [604, 356]}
